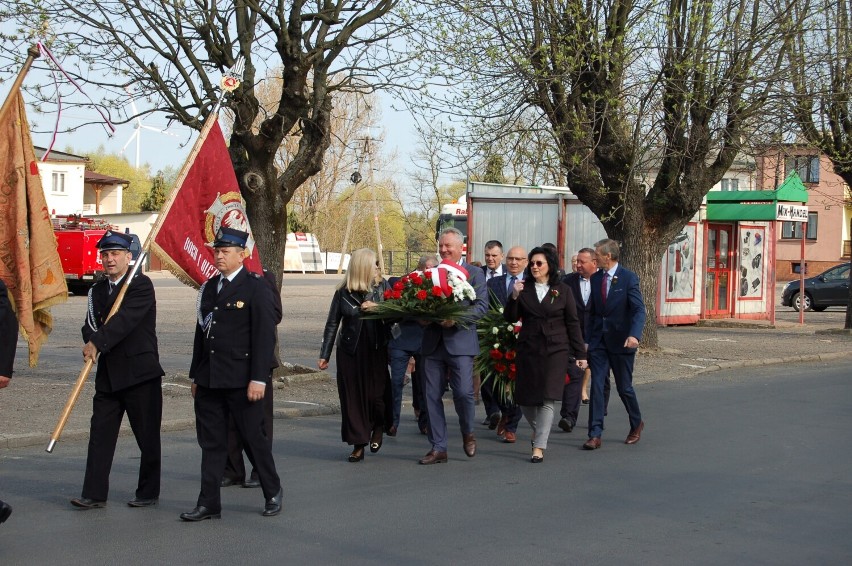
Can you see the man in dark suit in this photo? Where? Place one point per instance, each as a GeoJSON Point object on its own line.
{"type": "Point", "coordinates": [617, 315]}
{"type": "Point", "coordinates": [8, 343]}
{"type": "Point", "coordinates": [129, 377]}
{"type": "Point", "coordinates": [499, 289]}
{"type": "Point", "coordinates": [494, 267]}
{"type": "Point", "coordinates": [585, 265]}
{"type": "Point", "coordinates": [448, 351]}
{"type": "Point", "coordinates": [232, 361]}
{"type": "Point", "coordinates": [235, 467]}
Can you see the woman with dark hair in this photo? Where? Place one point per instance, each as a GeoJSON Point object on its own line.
{"type": "Point", "coordinates": [363, 381]}
{"type": "Point", "coordinates": [550, 340]}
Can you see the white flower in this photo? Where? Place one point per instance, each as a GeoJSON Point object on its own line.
{"type": "Point", "coordinates": [500, 310]}
{"type": "Point", "coordinates": [510, 328]}
{"type": "Point", "coordinates": [497, 346]}
{"type": "Point", "coordinates": [495, 330]}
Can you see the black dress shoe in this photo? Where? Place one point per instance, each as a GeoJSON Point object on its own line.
{"type": "Point", "coordinates": [141, 502]}
{"type": "Point", "coordinates": [566, 425]}
{"type": "Point", "coordinates": [273, 506]}
{"type": "Point", "coordinates": [357, 454]}
{"type": "Point", "coordinates": [537, 459]}
{"type": "Point", "coordinates": [86, 503]}
{"type": "Point", "coordinates": [252, 483]}
{"type": "Point", "coordinates": [5, 511]}
{"type": "Point", "coordinates": [493, 420]}
{"type": "Point", "coordinates": [200, 513]}
{"type": "Point", "coordinates": [228, 482]}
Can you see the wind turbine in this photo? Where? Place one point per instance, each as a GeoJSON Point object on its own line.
{"type": "Point", "coordinates": [137, 129]}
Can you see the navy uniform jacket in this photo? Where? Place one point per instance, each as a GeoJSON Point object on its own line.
{"type": "Point", "coordinates": [128, 342]}
{"type": "Point", "coordinates": [235, 333]}
{"type": "Point", "coordinates": [8, 333]}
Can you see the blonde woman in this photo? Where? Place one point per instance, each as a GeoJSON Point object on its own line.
{"type": "Point", "coordinates": [363, 381]}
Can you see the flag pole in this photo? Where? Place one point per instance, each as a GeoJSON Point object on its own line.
{"type": "Point", "coordinates": [32, 55]}
{"type": "Point", "coordinates": [87, 367]}
{"type": "Point", "coordinates": [236, 71]}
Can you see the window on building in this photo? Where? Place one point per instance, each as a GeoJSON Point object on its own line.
{"type": "Point", "coordinates": [793, 230]}
{"type": "Point", "coordinates": [730, 184]}
{"type": "Point", "coordinates": [807, 166]}
{"type": "Point", "coordinates": [57, 180]}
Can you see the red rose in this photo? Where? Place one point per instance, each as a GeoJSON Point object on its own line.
{"type": "Point", "coordinates": [403, 279]}
{"type": "Point", "coordinates": [422, 294]}
{"type": "Point", "coordinates": [496, 354]}
{"type": "Point", "coordinates": [567, 379]}
{"type": "Point", "coordinates": [398, 286]}
{"type": "Point", "coordinates": [510, 355]}
{"type": "Point", "coordinates": [436, 291]}
{"type": "Point", "coordinates": [397, 294]}
{"type": "Point", "coordinates": [428, 273]}
{"type": "Point", "coordinates": [416, 279]}
{"type": "Point", "coordinates": [500, 367]}
{"type": "Point", "coordinates": [516, 329]}
{"type": "Point", "coordinates": [388, 294]}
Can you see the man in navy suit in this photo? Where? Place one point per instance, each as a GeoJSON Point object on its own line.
{"type": "Point", "coordinates": [617, 316]}
{"type": "Point", "coordinates": [499, 289]}
{"type": "Point", "coordinates": [448, 351]}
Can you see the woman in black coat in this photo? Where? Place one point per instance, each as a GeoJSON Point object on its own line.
{"type": "Point", "coordinates": [550, 340]}
{"type": "Point", "coordinates": [363, 381]}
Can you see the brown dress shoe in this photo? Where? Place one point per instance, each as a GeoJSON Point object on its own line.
{"type": "Point", "coordinates": [433, 457]}
{"type": "Point", "coordinates": [592, 443]}
{"type": "Point", "coordinates": [501, 425]}
{"type": "Point", "coordinates": [635, 434]}
{"type": "Point", "coordinates": [509, 437]}
{"type": "Point", "coordinates": [469, 445]}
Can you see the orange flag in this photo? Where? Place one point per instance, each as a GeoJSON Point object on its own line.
{"type": "Point", "coordinates": [29, 260]}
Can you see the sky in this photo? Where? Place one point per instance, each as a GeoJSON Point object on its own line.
{"type": "Point", "coordinates": [163, 145]}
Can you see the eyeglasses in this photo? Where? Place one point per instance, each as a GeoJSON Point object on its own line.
{"type": "Point", "coordinates": [538, 263]}
{"type": "Point", "coordinates": [510, 258]}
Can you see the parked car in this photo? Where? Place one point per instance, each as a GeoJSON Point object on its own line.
{"type": "Point", "coordinates": [828, 289]}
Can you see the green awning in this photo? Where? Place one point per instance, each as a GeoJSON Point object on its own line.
{"type": "Point", "coordinates": [754, 205]}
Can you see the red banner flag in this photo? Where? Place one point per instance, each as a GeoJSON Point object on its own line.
{"type": "Point", "coordinates": [207, 199]}
{"type": "Point", "coordinates": [29, 260]}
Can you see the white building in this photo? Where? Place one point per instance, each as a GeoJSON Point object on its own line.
{"type": "Point", "coordinates": [70, 189]}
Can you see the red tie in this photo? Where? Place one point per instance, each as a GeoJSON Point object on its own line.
{"type": "Point", "coordinates": [603, 288]}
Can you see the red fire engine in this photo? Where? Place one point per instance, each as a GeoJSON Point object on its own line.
{"type": "Point", "coordinates": [76, 240]}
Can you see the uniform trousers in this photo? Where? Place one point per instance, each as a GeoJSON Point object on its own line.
{"type": "Point", "coordinates": [235, 468]}
{"type": "Point", "coordinates": [143, 404]}
{"type": "Point", "coordinates": [213, 407]}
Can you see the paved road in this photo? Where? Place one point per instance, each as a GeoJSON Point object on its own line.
{"type": "Point", "coordinates": [748, 466]}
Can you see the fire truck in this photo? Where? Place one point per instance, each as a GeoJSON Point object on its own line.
{"type": "Point", "coordinates": [76, 240]}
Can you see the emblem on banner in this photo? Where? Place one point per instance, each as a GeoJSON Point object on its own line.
{"type": "Point", "coordinates": [227, 210]}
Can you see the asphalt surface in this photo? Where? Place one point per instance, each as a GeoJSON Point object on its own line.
{"type": "Point", "coordinates": [743, 466]}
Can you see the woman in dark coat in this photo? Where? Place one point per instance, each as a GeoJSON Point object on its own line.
{"type": "Point", "coordinates": [549, 340]}
{"type": "Point", "coordinates": [363, 381]}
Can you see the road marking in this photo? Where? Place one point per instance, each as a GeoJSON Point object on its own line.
{"type": "Point", "coordinates": [716, 340]}
{"type": "Point", "coordinates": [693, 366]}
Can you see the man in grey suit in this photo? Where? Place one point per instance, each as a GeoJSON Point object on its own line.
{"type": "Point", "coordinates": [448, 351]}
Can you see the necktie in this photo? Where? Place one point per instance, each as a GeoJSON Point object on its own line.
{"type": "Point", "coordinates": [585, 289]}
{"type": "Point", "coordinates": [493, 273]}
{"type": "Point", "coordinates": [111, 287]}
{"type": "Point", "coordinates": [511, 286]}
{"type": "Point", "coordinates": [225, 283]}
{"type": "Point", "coordinates": [603, 287]}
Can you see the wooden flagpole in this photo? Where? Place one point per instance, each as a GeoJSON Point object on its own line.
{"type": "Point", "coordinates": [32, 55]}
{"type": "Point", "coordinates": [87, 367]}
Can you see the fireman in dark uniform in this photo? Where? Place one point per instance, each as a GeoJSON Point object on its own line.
{"type": "Point", "coordinates": [232, 362]}
{"type": "Point", "coordinates": [128, 379]}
